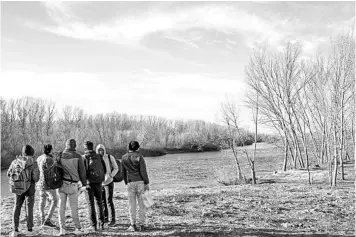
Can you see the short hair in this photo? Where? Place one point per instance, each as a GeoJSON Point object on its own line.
{"type": "Point", "coordinates": [47, 149]}
{"type": "Point", "coordinates": [89, 145]}
{"type": "Point", "coordinates": [133, 145]}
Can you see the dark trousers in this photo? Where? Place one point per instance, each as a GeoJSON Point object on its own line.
{"type": "Point", "coordinates": [95, 192]}
{"type": "Point", "coordinates": [30, 202]}
{"type": "Point", "coordinates": [108, 191]}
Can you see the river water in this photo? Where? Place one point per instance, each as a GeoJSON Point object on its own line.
{"type": "Point", "coordinates": [178, 170]}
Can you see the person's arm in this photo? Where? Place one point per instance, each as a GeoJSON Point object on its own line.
{"type": "Point", "coordinates": [9, 171]}
{"type": "Point", "coordinates": [82, 171]}
{"type": "Point", "coordinates": [124, 171]}
{"type": "Point", "coordinates": [114, 165]}
{"type": "Point", "coordinates": [35, 173]}
{"type": "Point", "coordinates": [143, 171]}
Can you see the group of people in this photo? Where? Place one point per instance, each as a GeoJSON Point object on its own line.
{"type": "Point", "coordinates": [92, 173]}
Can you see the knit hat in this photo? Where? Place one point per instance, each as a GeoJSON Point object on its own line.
{"type": "Point", "coordinates": [47, 149]}
{"type": "Point", "coordinates": [71, 144]}
{"type": "Point", "coordinates": [88, 145]}
{"type": "Point", "coordinates": [133, 145]}
{"type": "Point", "coordinates": [28, 151]}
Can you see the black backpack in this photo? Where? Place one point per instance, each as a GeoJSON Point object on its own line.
{"type": "Point", "coordinates": [53, 173]}
{"type": "Point", "coordinates": [119, 176]}
{"type": "Point", "coordinates": [95, 167]}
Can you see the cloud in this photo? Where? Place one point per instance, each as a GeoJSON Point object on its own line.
{"type": "Point", "coordinates": [346, 25]}
{"type": "Point", "coordinates": [184, 41]}
{"type": "Point", "coordinates": [130, 29]}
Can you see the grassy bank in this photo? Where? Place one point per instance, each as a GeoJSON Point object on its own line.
{"type": "Point", "coordinates": [270, 209]}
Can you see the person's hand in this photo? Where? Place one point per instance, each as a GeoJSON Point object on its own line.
{"type": "Point", "coordinates": [82, 189]}
{"type": "Point", "coordinates": [147, 187]}
{"type": "Point", "coordinates": [87, 187]}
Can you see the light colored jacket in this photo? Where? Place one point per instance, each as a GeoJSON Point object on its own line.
{"type": "Point", "coordinates": [73, 165]}
{"type": "Point", "coordinates": [111, 165]}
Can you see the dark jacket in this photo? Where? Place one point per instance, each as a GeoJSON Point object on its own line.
{"type": "Point", "coordinates": [73, 165]}
{"type": "Point", "coordinates": [96, 158]}
{"type": "Point", "coordinates": [31, 167]}
{"type": "Point", "coordinates": [134, 168]}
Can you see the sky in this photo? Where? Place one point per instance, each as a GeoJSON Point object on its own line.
{"type": "Point", "coordinates": [177, 60]}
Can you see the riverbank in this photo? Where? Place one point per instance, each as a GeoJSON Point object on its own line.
{"type": "Point", "coordinates": [269, 209]}
{"type": "Point", "coordinates": [150, 152]}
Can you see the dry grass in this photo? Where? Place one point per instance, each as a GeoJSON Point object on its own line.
{"type": "Point", "coordinates": [279, 205]}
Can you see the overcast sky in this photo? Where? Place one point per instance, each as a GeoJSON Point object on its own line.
{"type": "Point", "coordinates": [170, 59]}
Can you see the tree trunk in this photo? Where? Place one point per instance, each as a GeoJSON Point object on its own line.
{"type": "Point", "coordinates": [341, 142]}
{"type": "Point", "coordinates": [285, 156]}
{"type": "Point", "coordinates": [335, 158]}
{"type": "Point", "coordinates": [254, 151]}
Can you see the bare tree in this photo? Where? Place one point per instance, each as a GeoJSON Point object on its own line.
{"type": "Point", "coordinates": [230, 118]}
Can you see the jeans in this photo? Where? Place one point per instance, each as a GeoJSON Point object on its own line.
{"type": "Point", "coordinates": [44, 194]}
{"type": "Point", "coordinates": [135, 191]}
{"type": "Point", "coordinates": [70, 191]}
{"type": "Point", "coordinates": [30, 202]}
{"type": "Point", "coordinates": [95, 192]}
{"type": "Point", "coordinates": [108, 191]}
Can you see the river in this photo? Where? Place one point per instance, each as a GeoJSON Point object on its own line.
{"type": "Point", "coordinates": [180, 170]}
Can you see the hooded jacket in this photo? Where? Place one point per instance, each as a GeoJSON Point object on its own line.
{"type": "Point", "coordinates": [31, 166]}
{"type": "Point", "coordinates": [110, 164]}
{"type": "Point", "coordinates": [73, 164]}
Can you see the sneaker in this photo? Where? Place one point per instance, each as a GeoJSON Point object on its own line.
{"type": "Point", "coordinates": [30, 233]}
{"type": "Point", "coordinates": [112, 223]}
{"type": "Point", "coordinates": [78, 232]}
{"type": "Point", "coordinates": [62, 232]}
{"type": "Point", "coordinates": [132, 228]}
{"type": "Point", "coordinates": [14, 233]}
{"type": "Point", "coordinates": [91, 229]}
{"type": "Point", "coordinates": [48, 223]}
{"type": "Point", "coordinates": [141, 228]}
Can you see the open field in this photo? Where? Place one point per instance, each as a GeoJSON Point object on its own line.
{"type": "Point", "coordinates": [189, 201]}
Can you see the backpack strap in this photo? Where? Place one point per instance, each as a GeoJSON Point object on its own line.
{"type": "Point", "coordinates": [86, 165]}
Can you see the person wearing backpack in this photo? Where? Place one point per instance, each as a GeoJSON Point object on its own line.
{"type": "Point", "coordinates": [108, 184]}
{"type": "Point", "coordinates": [136, 179]}
{"type": "Point", "coordinates": [44, 162]}
{"type": "Point", "coordinates": [95, 173]}
{"type": "Point", "coordinates": [23, 174]}
{"type": "Point", "coordinates": [73, 172]}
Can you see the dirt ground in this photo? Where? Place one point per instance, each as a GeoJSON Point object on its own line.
{"type": "Point", "coordinates": [281, 204]}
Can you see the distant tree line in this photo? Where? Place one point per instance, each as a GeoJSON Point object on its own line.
{"type": "Point", "coordinates": [36, 121]}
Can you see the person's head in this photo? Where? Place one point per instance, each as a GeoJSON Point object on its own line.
{"type": "Point", "coordinates": [101, 151]}
{"type": "Point", "coordinates": [71, 144]}
{"type": "Point", "coordinates": [88, 145]}
{"type": "Point", "coordinates": [28, 151]}
{"type": "Point", "coordinates": [47, 149]}
{"type": "Point", "coordinates": [134, 146]}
